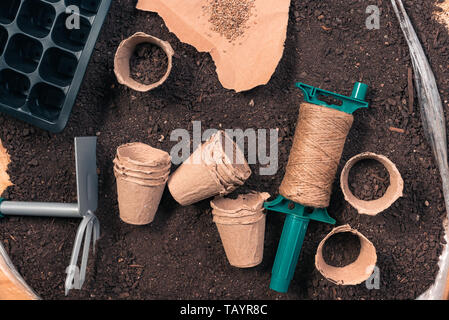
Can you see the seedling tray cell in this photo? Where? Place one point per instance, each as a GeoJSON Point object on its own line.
{"type": "Point", "coordinates": [42, 60]}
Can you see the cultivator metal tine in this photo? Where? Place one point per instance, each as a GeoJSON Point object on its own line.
{"type": "Point", "coordinates": [96, 228]}
{"type": "Point", "coordinates": [89, 228]}
{"type": "Point", "coordinates": [85, 255]}
{"type": "Point", "coordinates": [76, 276]}
{"type": "Point", "coordinates": [87, 185]}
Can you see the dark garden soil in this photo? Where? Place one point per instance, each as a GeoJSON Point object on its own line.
{"type": "Point", "coordinates": [368, 180]}
{"type": "Point", "coordinates": [180, 254]}
{"type": "Point", "coordinates": [148, 64]}
{"type": "Point", "coordinates": [341, 249]}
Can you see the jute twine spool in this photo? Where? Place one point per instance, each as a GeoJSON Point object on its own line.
{"type": "Point", "coordinates": [317, 147]}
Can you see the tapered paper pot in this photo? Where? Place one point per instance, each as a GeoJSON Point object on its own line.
{"type": "Point", "coordinates": [233, 164]}
{"type": "Point", "coordinates": [252, 201]}
{"type": "Point", "coordinates": [157, 174]}
{"type": "Point", "coordinates": [354, 273]}
{"type": "Point", "coordinates": [229, 176]}
{"type": "Point", "coordinates": [243, 243]}
{"type": "Point", "coordinates": [145, 181]}
{"type": "Point", "coordinates": [197, 178]}
{"type": "Point", "coordinates": [138, 203]}
{"type": "Point", "coordinates": [139, 156]}
{"type": "Point", "coordinates": [229, 161]}
{"type": "Point", "coordinates": [194, 182]}
{"type": "Point", "coordinates": [373, 207]}
{"type": "Point", "coordinates": [245, 219]}
{"type": "Point", "coordinates": [238, 214]}
{"type": "Point", "coordinates": [153, 170]}
{"type": "Point", "coordinates": [124, 54]}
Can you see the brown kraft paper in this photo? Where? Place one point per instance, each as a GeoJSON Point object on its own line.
{"type": "Point", "coordinates": [248, 61]}
{"type": "Point", "coordinates": [4, 162]}
{"type": "Point", "coordinates": [12, 285]}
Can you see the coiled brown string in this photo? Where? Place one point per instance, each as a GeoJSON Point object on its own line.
{"type": "Point", "coordinates": [317, 147]}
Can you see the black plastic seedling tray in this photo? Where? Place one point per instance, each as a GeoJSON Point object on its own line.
{"type": "Point", "coordinates": [42, 62]}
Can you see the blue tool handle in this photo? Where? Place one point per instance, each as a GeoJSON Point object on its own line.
{"type": "Point", "coordinates": [287, 255]}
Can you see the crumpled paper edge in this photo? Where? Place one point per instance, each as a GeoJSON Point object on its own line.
{"type": "Point", "coordinates": [5, 182]}
{"type": "Point", "coordinates": [8, 269]}
{"type": "Point", "coordinates": [189, 37]}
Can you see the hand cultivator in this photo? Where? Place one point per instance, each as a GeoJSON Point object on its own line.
{"type": "Point", "coordinates": [89, 228]}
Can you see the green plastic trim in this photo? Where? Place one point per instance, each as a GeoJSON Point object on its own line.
{"type": "Point", "coordinates": [292, 238]}
{"type": "Point", "coordinates": [298, 216]}
{"type": "Point", "coordinates": [281, 204]}
{"type": "Point", "coordinates": [288, 252]}
{"type": "Point", "coordinates": [349, 104]}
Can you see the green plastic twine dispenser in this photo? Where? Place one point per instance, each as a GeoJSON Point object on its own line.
{"type": "Point", "coordinates": [297, 215]}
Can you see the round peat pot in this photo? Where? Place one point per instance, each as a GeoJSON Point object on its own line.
{"type": "Point", "coordinates": [373, 207]}
{"type": "Point", "coordinates": [123, 56]}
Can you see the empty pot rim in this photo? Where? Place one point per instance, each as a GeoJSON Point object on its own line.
{"type": "Point", "coordinates": [151, 171]}
{"type": "Point", "coordinates": [141, 181]}
{"type": "Point", "coordinates": [143, 155]}
{"type": "Point", "coordinates": [252, 201]}
{"type": "Point", "coordinates": [123, 56]}
{"type": "Point", "coordinates": [353, 273]}
{"type": "Point", "coordinates": [393, 192]}
{"type": "Point", "coordinates": [141, 175]}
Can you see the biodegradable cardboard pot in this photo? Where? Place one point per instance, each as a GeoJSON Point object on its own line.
{"type": "Point", "coordinates": [373, 207]}
{"type": "Point", "coordinates": [243, 243]}
{"type": "Point", "coordinates": [141, 172]}
{"type": "Point", "coordinates": [151, 170]}
{"type": "Point", "coordinates": [198, 179]}
{"type": "Point", "coordinates": [354, 273]}
{"type": "Point", "coordinates": [241, 224]}
{"type": "Point", "coordinates": [193, 182]}
{"type": "Point", "coordinates": [231, 165]}
{"type": "Point", "coordinates": [238, 214]}
{"type": "Point", "coordinates": [123, 56]}
{"type": "Point", "coordinates": [140, 156]}
{"type": "Point", "coordinates": [252, 202]}
{"type": "Point", "coordinates": [162, 173]}
{"type": "Point", "coordinates": [243, 219]}
{"type": "Point", "coordinates": [145, 181]}
{"type": "Point", "coordinates": [138, 203]}
{"type": "Point", "coordinates": [230, 175]}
